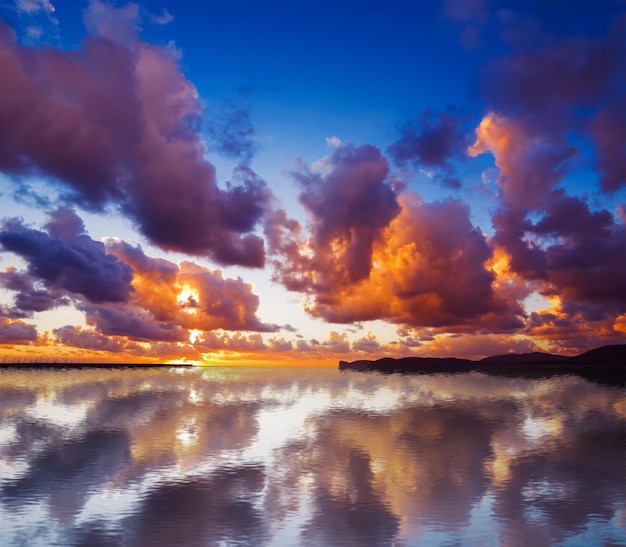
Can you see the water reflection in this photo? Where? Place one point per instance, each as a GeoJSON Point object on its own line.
{"type": "Point", "coordinates": [285, 457]}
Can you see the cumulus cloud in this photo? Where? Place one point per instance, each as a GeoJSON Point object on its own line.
{"type": "Point", "coordinates": [189, 295]}
{"type": "Point", "coordinates": [78, 337]}
{"type": "Point", "coordinates": [586, 262]}
{"type": "Point", "coordinates": [571, 251]}
{"type": "Point", "coordinates": [576, 83]}
{"type": "Point", "coordinates": [348, 207]}
{"type": "Point", "coordinates": [16, 331]}
{"type": "Point", "coordinates": [530, 166]}
{"type": "Point", "coordinates": [367, 344]}
{"type": "Point", "coordinates": [117, 123]}
{"type": "Point", "coordinates": [133, 322]}
{"type": "Point", "coordinates": [123, 293]}
{"type": "Point", "coordinates": [417, 263]}
{"type": "Point", "coordinates": [333, 142]}
{"type": "Point", "coordinates": [214, 341]}
{"type": "Point", "coordinates": [65, 261]}
{"type": "Point", "coordinates": [336, 344]}
{"type": "Point", "coordinates": [432, 139]}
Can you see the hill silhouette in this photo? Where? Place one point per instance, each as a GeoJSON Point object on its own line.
{"type": "Point", "coordinates": [606, 364]}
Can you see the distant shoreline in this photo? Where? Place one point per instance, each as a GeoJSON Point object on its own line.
{"type": "Point", "coordinates": [63, 366]}
{"type": "Point", "coordinates": [606, 364]}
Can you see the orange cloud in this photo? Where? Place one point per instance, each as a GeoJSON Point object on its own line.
{"type": "Point", "coordinates": [427, 269]}
{"type": "Point", "coordinates": [188, 295]}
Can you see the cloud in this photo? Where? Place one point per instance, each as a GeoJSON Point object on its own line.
{"type": "Point", "coordinates": [574, 85]}
{"type": "Point", "coordinates": [231, 132]}
{"type": "Point", "coordinates": [165, 18]}
{"type": "Point", "coordinates": [530, 166]}
{"type": "Point", "coordinates": [337, 344]}
{"type": "Point", "coordinates": [65, 261]}
{"type": "Point", "coordinates": [124, 294]}
{"type": "Point", "coordinates": [78, 337]}
{"type": "Point", "coordinates": [430, 140]}
{"type": "Point", "coordinates": [553, 107]}
{"type": "Point", "coordinates": [546, 85]}
{"type": "Point", "coordinates": [366, 343]}
{"type": "Point", "coordinates": [586, 262]}
{"type": "Point", "coordinates": [608, 131]}
{"type": "Point", "coordinates": [133, 322]}
{"type": "Point", "coordinates": [333, 142]}
{"type": "Point", "coordinates": [189, 295]}
{"type": "Point", "coordinates": [470, 16]}
{"type": "Point", "coordinates": [118, 24]}
{"type": "Point", "coordinates": [117, 123]}
{"type": "Point", "coordinates": [212, 341]}
{"type": "Point", "coordinates": [16, 331]}
{"type": "Point", "coordinates": [426, 267]}
{"type": "Point", "coordinates": [348, 207]}
{"type": "Point", "coordinates": [569, 250]}
{"type": "Point", "coordinates": [34, 6]}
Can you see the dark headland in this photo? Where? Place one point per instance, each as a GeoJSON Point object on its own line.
{"type": "Point", "coordinates": [606, 364]}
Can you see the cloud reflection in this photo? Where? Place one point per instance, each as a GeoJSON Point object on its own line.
{"type": "Point", "coordinates": [307, 457]}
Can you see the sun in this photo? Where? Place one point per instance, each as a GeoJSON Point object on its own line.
{"type": "Point", "coordinates": [188, 299]}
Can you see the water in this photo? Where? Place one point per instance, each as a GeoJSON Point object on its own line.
{"type": "Point", "coordinates": [312, 456]}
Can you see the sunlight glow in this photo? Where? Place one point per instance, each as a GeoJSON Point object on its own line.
{"type": "Point", "coordinates": [188, 299]}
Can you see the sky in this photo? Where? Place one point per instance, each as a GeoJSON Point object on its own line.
{"type": "Point", "coordinates": [298, 182]}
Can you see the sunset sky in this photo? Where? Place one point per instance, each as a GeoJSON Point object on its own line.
{"type": "Point", "coordinates": [301, 182]}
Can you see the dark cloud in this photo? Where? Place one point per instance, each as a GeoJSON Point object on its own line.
{"type": "Point", "coordinates": [548, 84]}
{"type": "Point", "coordinates": [16, 331]}
{"type": "Point", "coordinates": [132, 322]}
{"type": "Point", "coordinates": [587, 264]}
{"type": "Point", "coordinates": [556, 106]}
{"type": "Point", "coordinates": [433, 139]}
{"type": "Point", "coordinates": [34, 301]}
{"type": "Point", "coordinates": [608, 131]}
{"type": "Point", "coordinates": [73, 263]}
{"type": "Point", "coordinates": [349, 204]}
{"type": "Point", "coordinates": [527, 258]}
{"type": "Point", "coordinates": [116, 122]}
{"type": "Point", "coordinates": [576, 254]}
{"type": "Point", "coordinates": [573, 85]}
{"type": "Point", "coordinates": [65, 259]}
{"type": "Point", "coordinates": [78, 337]}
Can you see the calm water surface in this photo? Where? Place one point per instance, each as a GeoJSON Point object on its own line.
{"type": "Point", "coordinates": [314, 456]}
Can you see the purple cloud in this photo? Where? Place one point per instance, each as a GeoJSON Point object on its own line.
{"type": "Point", "coordinates": [430, 140]}
{"type": "Point", "coordinates": [116, 122]}
{"type": "Point", "coordinates": [65, 259]}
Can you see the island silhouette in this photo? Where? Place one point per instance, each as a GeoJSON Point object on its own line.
{"type": "Point", "coordinates": [606, 364]}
